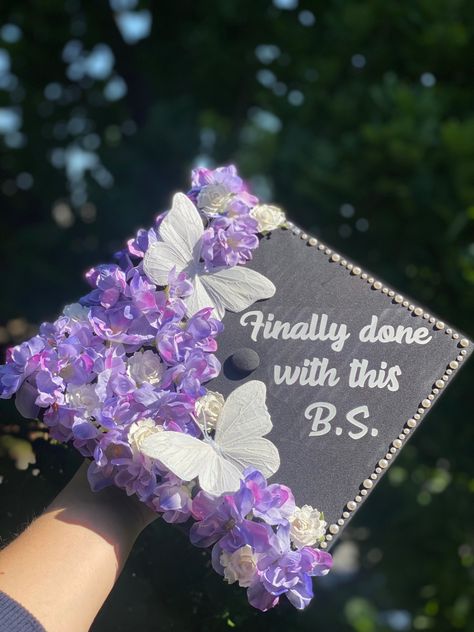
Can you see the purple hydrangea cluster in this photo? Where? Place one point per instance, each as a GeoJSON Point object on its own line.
{"type": "Point", "coordinates": [250, 535]}
{"type": "Point", "coordinates": [128, 359]}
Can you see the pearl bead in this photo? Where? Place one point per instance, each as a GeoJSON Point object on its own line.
{"type": "Point", "coordinates": [383, 463]}
{"type": "Point", "coordinates": [391, 293]}
{"type": "Point", "coordinates": [393, 450]}
{"type": "Point", "coordinates": [418, 311]}
{"type": "Point", "coordinates": [439, 384]}
{"type": "Point", "coordinates": [411, 423]}
{"type": "Point", "coordinates": [364, 276]}
{"type": "Point", "coordinates": [449, 371]}
{"type": "Point", "coordinates": [455, 336]}
{"type": "Point", "coordinates": [313, 241]}
{"type": "Point", "coordinates": [398, 298]}
{"type": "Point", "coordinates": [323, 545]}
{"type": "Point", "coordinates": [328, 251]}
{"type": "Point", "coordinates": [356, 270]}
{"type": "Point", "coordinates": [377, 285]}
{"type": "Point", "coordinates": [329, 537]}
{"type": "Point", "coordinates": [351, 505]}
{"type": "Point", "coordinates": [335, 257]}
{"type": "Point", "coordinates": [358, 498]}
{"type": "Point", "coordinates": [464, 342]}
{"type": "Point", "coordinates": [426, 403]}
{"type": "Point", "coordinates": [345, 514]}
{"type": "Point", "coordinates": [303, 236]}
{"type": "Point", "coordinates": [432, 320]}
{"type": "Point", "coordinates": [367, 483]}
{"type": "Point", "coordinates": [321, 247]}
{"type": "Point", "coordinates": [406, 431]}
{"type": "Point", "coordinates": [439, 324]}
{"type": "Point", "coordinates": [333, 528]}
{"type": "Point", "coordinates": [370, 280]}
{"type": "Point", "coordinates": [340, 522]}
{"type": "Point", "coordinates": [453, 364]}
{"type": "Point", "coordinates": [397, 443]}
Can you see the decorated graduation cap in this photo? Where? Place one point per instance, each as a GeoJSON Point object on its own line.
{"type": "Point", "coordinates": [239, 377]}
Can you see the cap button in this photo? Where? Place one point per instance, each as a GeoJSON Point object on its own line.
{"type": "Point", "coordinates": [245, 360]}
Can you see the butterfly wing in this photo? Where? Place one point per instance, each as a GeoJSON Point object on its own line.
{"type": "Point", "coordinates": [242, 424]}
{"type": "Point", "coordinates": [189, 458]}
{"type": "Point", "coordinates": [236, 288]}
{"type": "Point", "coordinates": [180, 453]}
{"type": "Point", "coordinates": [180, 232]}
{"type": "Point", "coordinates": [199, 299]}
{"type": "Point", "coordinates": [219, 475]}
{"type": "Point", "coordinates": [182, 226]}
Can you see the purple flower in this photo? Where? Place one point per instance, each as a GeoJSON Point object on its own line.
{"type": "Point", "coordinates": [225, 519]}
{"type": "Point", "coordinates": [21, 362]}
{"type": "Point", "coordinates": [110, 283]}
{"type": "Point", "coordinates": [141, 242]}
{"type": "Point", "coordinates": [172, 498]}
{"type": "Point", "coordinates": [283, 571]}
{"type": "Point", "coordinates": [227, 245]}
{"type": "Point", "coordinates": [226, 176]}
{"type": "Point", "coordinates": [274, 503]}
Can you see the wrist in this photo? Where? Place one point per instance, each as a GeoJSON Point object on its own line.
{"type": "Point", "coordinates": [107, 509]}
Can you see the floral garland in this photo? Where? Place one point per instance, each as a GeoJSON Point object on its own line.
{"type": "Point", "coordinates": [132, 357]}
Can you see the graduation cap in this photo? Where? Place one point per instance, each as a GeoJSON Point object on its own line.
{"type": "Point", "coordinates": [352, 368]}
{"type": "Point", "coordinates": [324, 374]}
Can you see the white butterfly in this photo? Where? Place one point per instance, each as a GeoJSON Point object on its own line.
{"type": "Point", "coordinates": [238, 443]}
{"type": "Point", "coordinates": [181, 233]}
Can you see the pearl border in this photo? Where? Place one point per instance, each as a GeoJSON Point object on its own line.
{"type": "Point", "coordinates": [411, 424]}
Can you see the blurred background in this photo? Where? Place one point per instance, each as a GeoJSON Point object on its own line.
{"type": "Point", "coordinates": [357, 117]}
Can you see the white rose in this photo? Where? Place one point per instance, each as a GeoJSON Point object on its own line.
{"type": "Point", "coordinates": [145, 367]}
{"type": "Point", "coordinates": [139, 431]}
{"type": "Point", "coordinates": [307, 526]}
{"type": "Point", "coordinates": [268, 217]}
{"type": "Point", "coordinates": [83, 396]}
{"type": "Point", "coordinates": [240, 566]}
{"type": "Point", "coordinates": [214, 198]}
{"type": "Point", "coordinates": [208, 409]}
{"type": "Point", "coordinates": [76, 312]}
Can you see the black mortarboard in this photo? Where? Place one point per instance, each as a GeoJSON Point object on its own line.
{"type": "Point", "coordinates": [351, 366]}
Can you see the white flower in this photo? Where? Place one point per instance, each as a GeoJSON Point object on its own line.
{"type": "Point", "coordinates": [145, 367]}
{"type": "Point", "coordinates": [76, 312]}
{"type": "Point", "coordinates": [307, 526]}
{"type": "Point", "coordinates": [208, 409]}
{"type": "Point", "coordinates": [83, 396]}
{"type": "Point", "coordinates": [240, 566]}
{"type": "Point", "coordinates": [179, 248]}
{"type": "Point", "coordinates": [214, 198]}
{"type": "Point", "coordinates": [139, 431]}
{"type": "Point", "coordinates": [268, 217]}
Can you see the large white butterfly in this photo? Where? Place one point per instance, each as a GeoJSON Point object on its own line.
{"type": "Point", "coordinates": [181, 233]}
{"type": "Point", "coordinates": [238, 443]}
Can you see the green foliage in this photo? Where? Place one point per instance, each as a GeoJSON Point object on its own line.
{"type": "Point", "coordinates": [360, 124]}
